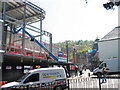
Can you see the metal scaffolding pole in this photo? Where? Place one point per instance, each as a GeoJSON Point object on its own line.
{"type": "Point", "coordinates": [10, 37]}
{"type": "Point", "coordinates": [3, 25]}
{"type": "Point", "coordinates": [50, 36]}
{"type": "Point", "coordinates": [24, 24]}
{"type": "Point", "coordinates": [2, 37]}
{"type": "Point", "coordinates": [40, 32]}
{"type": "Point", "coordinates": [0, 11]}
{"type": "Point", "coordinates": [23, 33]}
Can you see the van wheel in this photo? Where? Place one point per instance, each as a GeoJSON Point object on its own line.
{"type": "Point", "coordinates": [99, 74]}
{"type": "Point", "coordinates": [58, 88]}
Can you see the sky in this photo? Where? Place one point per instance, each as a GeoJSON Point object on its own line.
{"type": "Point", "coordinates": [76, 20]}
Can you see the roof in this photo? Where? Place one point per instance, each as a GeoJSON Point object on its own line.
{"type": "Point", "coordinates": [114, 34]}
{"type": "Point", "coordinates": [15, 10]}
{"type": "Point", "coordinates": [39, 69]}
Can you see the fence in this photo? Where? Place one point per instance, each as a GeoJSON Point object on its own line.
{"type": "Point", "coordinates": [77, 83]}
{"type": "Point", "coordinates": [55, 85]}
{"type": "Point", "coordinates": [112, 83]}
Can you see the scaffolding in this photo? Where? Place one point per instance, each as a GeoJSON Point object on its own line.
{"type": "Point", "coordinates": [22, 14]}
{"type": "Point", "coordinates": [22, 45]}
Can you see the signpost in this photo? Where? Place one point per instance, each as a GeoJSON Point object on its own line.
{"type": "Point", "coordinates": [62, 56]}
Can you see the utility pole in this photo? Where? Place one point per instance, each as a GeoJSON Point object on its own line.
{"type": "Point", "coordinates": [67, 50]}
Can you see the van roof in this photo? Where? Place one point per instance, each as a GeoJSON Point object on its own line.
{"type": "Point", "coordinates": [40, 69]}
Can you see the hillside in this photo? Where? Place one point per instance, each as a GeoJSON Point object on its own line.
{"type": "Point", "coordinates": [80, 45]}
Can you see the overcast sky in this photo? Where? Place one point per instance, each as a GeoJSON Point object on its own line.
{"type": "Point", "coordinates": [76, 20]}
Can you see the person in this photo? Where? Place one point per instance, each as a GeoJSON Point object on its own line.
{"type": "Point", "coordinates": [80, 71]}
{"type": "Point", "coordinates": [66, 70]}
{"type": "Point", "coordinates": [76, 70]}
{"type": "Point", "coordinates": [104, 72]}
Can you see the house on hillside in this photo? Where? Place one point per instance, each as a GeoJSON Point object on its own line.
{"type": "Point", "coordinates": [109, 45]}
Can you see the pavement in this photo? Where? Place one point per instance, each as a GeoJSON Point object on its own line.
{"type": "Point", "coordinates": [85, 74]}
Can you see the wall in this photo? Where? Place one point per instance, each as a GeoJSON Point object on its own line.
{"type": "Point", "coordinates": [108, 49]}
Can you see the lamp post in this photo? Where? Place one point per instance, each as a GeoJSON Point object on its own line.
{"type": "Point", "coordinates": [75, 55]}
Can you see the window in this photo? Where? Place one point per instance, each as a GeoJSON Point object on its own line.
{"type": "Point", "coordinates": [18, 67]}
{"type": "Point", "coordinates": [104, 65]}
{"type": "Point", "coordinates": [9, 67]}
{"type": "Point", "coordinates": [32, 78]}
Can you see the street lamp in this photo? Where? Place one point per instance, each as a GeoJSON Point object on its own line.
{"type": "Point", "coordinates": [110, 5]}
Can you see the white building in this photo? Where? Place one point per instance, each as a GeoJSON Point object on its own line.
{"type": "Point", "coordinates": [109, 45]}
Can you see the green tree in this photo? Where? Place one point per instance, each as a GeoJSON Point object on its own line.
{"type": "Point", "coordinates": [80, 45]}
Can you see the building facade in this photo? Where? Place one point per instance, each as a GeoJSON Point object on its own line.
{"type": "Point", "coordinates": [109, 45]}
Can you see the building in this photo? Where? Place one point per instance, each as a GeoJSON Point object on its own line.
{"type": "Point", "coordinates": [22, 46]}
{"type": "Point", "coordinates": [109, 45]}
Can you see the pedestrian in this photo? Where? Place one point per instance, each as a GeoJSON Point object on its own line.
{"type": "Point", "coordinates": [66, 70]}
{"type": "Point", "coordinates": [80, 71]}
{"type": "Point", "coordinates": [76, 70]}
{"type": "Point", "coordinates": [104, 72]}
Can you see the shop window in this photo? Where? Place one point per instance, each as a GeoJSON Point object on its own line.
{"type": "Point", "coordinates": [18, 67]}
{"type": "Point", "coordinates": [8, 67]}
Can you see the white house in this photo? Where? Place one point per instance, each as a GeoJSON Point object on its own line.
{"type": "Point", "coordinates": [109, 45]}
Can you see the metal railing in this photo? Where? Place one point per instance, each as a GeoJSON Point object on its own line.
{"type": "Point", "coordinates": [112, 83]}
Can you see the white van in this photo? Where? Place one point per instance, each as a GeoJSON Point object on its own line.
{"type": "Point", "coordinates": [39, 77]}
{"type": "Point", "coordinates": [112, 67]}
